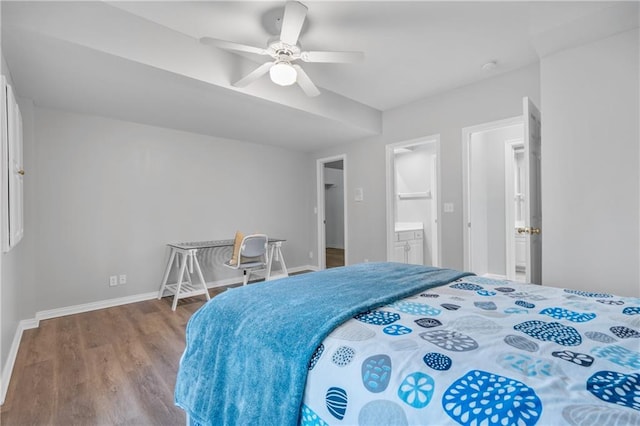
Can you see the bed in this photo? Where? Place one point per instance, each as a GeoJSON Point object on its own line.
{"type": "Point", "coordinates": [395, 344]}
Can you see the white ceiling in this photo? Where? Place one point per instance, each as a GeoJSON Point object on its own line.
{"type": "Point", "coordinates": [141, 61]}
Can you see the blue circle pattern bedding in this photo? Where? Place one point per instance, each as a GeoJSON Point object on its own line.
{"type": "Point", "coordinates": [481, 351]}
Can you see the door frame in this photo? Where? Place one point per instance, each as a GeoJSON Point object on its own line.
{"type": "Point", "coordinates": [390, 189]}
{"type": "Point", "coordinates": [466, 173]}
{"type": "Point", "coordinates": [320, 212]}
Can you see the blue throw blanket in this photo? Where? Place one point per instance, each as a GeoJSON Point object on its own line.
{"type": "Point", "coordinates": [248, 349]}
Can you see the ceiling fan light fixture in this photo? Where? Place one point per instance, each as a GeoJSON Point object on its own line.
{"type": "Point", "coordinates": [283, 74]}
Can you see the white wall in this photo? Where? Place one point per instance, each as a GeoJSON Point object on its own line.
{"type": "Point", "coordinates": [445, 114]}
{"type": "Point", "coordinates": [590, 166]}
{"type": "Point", "coordinates": [111, 194]}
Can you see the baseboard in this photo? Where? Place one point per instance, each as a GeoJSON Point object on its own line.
{"type": "Point", "coordinates": [109, 303]}
{"type": "Point", "coordinates": [13, 353]}
{"type": "Point", "coordinates": [303, 268]}
{"type": "Point", "coordinates": [94, 306]}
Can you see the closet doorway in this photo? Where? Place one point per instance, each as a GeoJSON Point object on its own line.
{"type": "Point", "coordinates": [502, 200]}
{"type": "Point", "coordinates": [413, 206]}
{"type": "Point", "coordinates": [332, 212]}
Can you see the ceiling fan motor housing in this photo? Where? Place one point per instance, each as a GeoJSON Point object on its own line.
{"type": "Point", "coordinates": [277, 49]}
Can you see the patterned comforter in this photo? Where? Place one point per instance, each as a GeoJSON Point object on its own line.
{"type": "Point", "coordinates": [482, 352]}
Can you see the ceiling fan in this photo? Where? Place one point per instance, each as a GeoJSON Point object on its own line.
{"type": "Point", "coordinates": [285, 50]}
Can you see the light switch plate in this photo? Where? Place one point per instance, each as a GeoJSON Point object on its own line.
{"type": "Point", "coordinates": [359, 194]}
{"type": "Point", "coordinates": [448, 207]}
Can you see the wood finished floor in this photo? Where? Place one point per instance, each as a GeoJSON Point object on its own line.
{"type": "Point", "coordinates": [334, 257]}
{"type": "Point", "coordinates": [114, 366]}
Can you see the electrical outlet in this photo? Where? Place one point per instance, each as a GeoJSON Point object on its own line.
{"type": "Point", "coordinates": [122, 279]}
{"type": "Point", "coordinates": [310, 255]}
{"type": "Point", "coordinates": [113, 280]}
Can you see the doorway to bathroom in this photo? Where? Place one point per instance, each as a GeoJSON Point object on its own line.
{"type": "Point", "coordinates": [413, 202]}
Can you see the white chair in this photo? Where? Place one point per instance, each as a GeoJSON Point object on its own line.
{"type": "Point", "coordinates": [252, 256]}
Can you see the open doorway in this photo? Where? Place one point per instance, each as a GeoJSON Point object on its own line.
{"type": "Point", "coordinates": [489, 229]}
{"type": "Point", "coordinates": [413, 187]}
{"type": "Point", "coordinates": [502, 202]}
{"type": "Point", "coordinates": [332, 212]}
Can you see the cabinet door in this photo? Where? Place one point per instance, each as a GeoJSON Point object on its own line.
{"type": "Point", "coordinates": [399, 252]}
{"type": "Point", "coordinates": [416, 252]}
{"type": "Point", "coordinates": [521, 253]}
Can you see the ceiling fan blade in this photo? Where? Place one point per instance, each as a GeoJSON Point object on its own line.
{"type": "Point", "coordinates": [334, 57]}
{"type": "Point", "coordinates": [229, 45]}
{"type": "Point", "coordinates": [254, 75]}
{"type": "Point", "coordinates": [292, 21]}
{"type": "Point", "coordinates": [305, 82]}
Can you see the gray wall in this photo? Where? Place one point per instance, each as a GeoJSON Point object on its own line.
{"type": "Point", "coordinates": [590, 163]}
{"type": "Point", "coordinates": [111, 194]}
{"type": "Point", "coordinates": [103, 197]}
{"type": "Point", "coordinates": [445, 114]}
{"type": "Point", "coordinates": [589, 98]}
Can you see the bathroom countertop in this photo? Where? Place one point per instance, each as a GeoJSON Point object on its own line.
{"type": "Point", "coordinates": [408, 226]}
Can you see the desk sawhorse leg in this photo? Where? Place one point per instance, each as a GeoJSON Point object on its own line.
{"type": "Point", "coordinates": [276, 251]}
{"type": "Point", "coordinates": [183, 288]}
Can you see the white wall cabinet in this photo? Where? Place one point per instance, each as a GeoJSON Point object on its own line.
{"type": "Point", "coordinates": [12, 168]}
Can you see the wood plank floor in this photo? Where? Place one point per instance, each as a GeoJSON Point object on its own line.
{"type": "Point", "coordinates": [334, 257]}
{"type": "Point", "coordinates": [115, 366]}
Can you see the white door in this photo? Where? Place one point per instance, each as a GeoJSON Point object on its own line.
{"type": "Point", "coordinates": [532, 203]}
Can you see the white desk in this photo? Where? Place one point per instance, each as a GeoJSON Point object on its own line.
{"type": "Point", "coordinates": [186, 254]}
